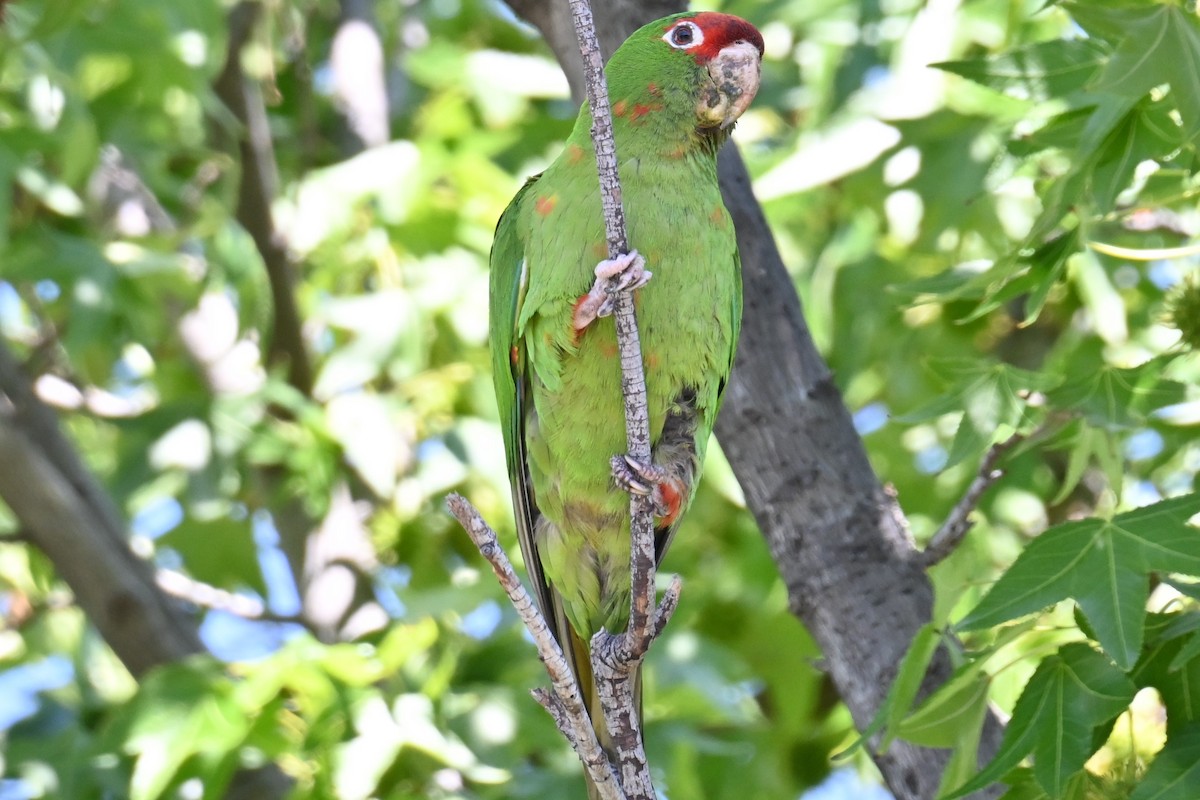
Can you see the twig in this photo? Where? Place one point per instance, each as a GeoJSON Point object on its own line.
{"type": "Point", "coordinates": [625, 653]}
{"type": "Point", "coordinates": [950, 535]}
{"type": "Point", "coordinates": [565, 705]}
{"type": "Point", "coordinates": [211, 597]}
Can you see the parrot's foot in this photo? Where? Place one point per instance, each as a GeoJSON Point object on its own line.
{"type": "Point", "coordinates": [645, 480]}
{"type": "Point", "coordinates": [613, 275]}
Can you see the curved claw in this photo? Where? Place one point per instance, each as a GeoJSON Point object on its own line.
{"type": "Point", "coordinates": [644, 480]}
{"type": "Point", "coordinates": [652, 474]}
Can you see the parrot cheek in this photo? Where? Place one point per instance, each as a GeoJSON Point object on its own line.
{"type": "Point", "coordinates": [734, 76]}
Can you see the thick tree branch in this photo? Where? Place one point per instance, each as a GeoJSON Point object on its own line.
{"type": "Point", "coordinates": [67, 515]}
{"type": "Point", "coordinates": [256, 190]}
{"type": "Point", "coordinates": [337, 602]}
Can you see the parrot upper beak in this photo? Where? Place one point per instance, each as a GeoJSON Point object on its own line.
{"type": "Point", "coordinates": [735, 75]}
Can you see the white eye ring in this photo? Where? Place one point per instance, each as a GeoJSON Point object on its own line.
{"type": "Point", "coordinates": [672, 36]}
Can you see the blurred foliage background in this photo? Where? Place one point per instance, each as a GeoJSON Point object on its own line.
{"type": "Point", "coordinates": [936, 223]}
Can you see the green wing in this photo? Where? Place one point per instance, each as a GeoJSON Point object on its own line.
{"type": "Point", "coordinates": [508, 282]}
{"type": "Point", "coordinates": [737, 326]}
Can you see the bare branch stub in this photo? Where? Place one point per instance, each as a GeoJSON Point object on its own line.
{"type": "Point", "coordinates": [954, 529]}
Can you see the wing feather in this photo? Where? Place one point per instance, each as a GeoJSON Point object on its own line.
{"type": "Point", "coordinates": [509, 281]}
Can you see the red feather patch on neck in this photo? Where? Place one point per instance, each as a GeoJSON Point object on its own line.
{"type": "Point", "coordinates": [720, 31]}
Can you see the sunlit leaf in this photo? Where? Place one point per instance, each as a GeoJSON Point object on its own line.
{"type": "Point", "coordinates": [1158, 44]}
{"type": "Point", "coordinates": [1103, 565]}
{"type": "Point", "coordinates": [1070, 694]}
{"type": "Point", "coordinates": [1037, 72]}
{"type": "Point", "coordinates": [992, 397]}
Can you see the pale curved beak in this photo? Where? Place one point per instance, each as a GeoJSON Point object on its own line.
{"type": "Point", "coordinates": [735, 74]}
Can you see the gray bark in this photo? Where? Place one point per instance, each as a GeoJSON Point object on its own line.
{"type": "Point", "coordinates": [64, 512]}
{"type": "Point", "coordinates": [853, 576]}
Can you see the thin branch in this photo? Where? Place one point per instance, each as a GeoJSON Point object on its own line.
{"type": "Point", "coordinates": [795, 451]}
{"type": "Point", "coordinates": [566, 704]}
{"type": "Point", "coordinates": [205, 595]}
{"type": "Point", "coordinates": [256, 191]}
{"type": "Point", "coordinates": [615, 661]}
{"type": "Point", "coordinates": [624, 654]}
{"type": "Point", "coordinates": [954, 529]}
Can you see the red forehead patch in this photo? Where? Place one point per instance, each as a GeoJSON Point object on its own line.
{"type": "Point", "coordinates": [720, 31]}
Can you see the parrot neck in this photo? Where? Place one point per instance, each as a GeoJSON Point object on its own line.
{"type": "Point", "coordinates": [649, 123]}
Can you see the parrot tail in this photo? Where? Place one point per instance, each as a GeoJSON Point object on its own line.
{"type": "Point", "coordinates": [578, 656]}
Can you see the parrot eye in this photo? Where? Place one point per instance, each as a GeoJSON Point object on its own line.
{"type": "Point", "coordinates": [684, 36]}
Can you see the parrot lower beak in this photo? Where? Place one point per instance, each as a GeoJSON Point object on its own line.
{"type": "Point", "coordinates": [735, 76]}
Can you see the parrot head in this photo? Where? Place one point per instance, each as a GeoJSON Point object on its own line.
{"type": "Point", "coordinates": [730, 49]}
{"type": "Point", "coordinates": [702, 68]}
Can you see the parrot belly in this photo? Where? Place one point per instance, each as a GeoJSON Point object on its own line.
{"type": "Point", "coordinates": [687, 318]}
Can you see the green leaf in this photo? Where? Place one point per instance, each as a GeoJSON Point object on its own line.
{"type": "Point", "coordinates": [909, 677]}
{"type": "Point", "coordinates": [1188, 653]}
{"type": "Point", "coordinates": [1058, 199]}
{"type": "Point", "coordinates": [1118, 398]}
{"type": "Point", "coordinates": [1048, 262]}
{"type": "Point", "coordinates": [1024, 786]}
{"type": "Point", "coordinates": [1078, 458]}
{"type": "Point", "coordinates": [991, 396]}
{"type": "Point", "coordinates": [1175, 772]}
{"type": "Point", "coordinates": [1147, 132]}
{"type": "Point", "coordinates": [220, 552]}
{"type": "Point", "coordinates": [1161, 666]}
{"type": "Point", "coordinates": [1038, 72]}
{"type": "Point", "coordinates": [1107, 21]}
{"type": "Point", "coordinates": [1036, 276]}
{"type": "Point", "coordinates": [903, 691]}
{"type": "Point", "coordinates": [1103, 565]}
{"type": "Point", "coordinates": [1061, 132]}
{"type": "Point", "coordinates": [1159, 44]}
{"type": "Point", "coordinates": [181, 711]}
{"type": "Point", "coordinates": [951, 713]}
{"type": "Point", "coordinates": [1186, 588]}
{"type": "Point", "coordinates": [1071, 693]}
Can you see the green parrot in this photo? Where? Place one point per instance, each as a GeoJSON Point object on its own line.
{"type": "Point", "coordinates": [676, 86]}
